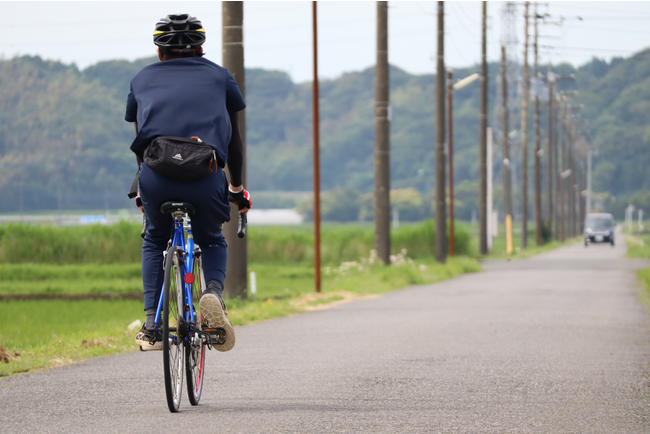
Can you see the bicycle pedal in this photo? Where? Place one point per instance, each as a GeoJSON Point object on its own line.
{"type": "Point", "coordinates": [219, 333]}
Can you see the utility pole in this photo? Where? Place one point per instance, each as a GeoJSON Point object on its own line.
{"type": "Point", "coordinates": [232, 13]}
{"type": "Point", "coordinates": [441, 227]}
{"type": "Point", "coordinates": [561, 149]}
{"type": "Point", "coordinates": [571, 184]}
{"type": "Point", "coordinates": [578, 187]}
{"type": "Point", "coordinates": [491, 221]}
{"type": "Point", "coordinates": [557, 139]}
{"type": "Point", "coordinates": [583, 183]}
{"type": "Point", "coordinates": [450, 134]}
{"type": "Point", "coordinates": [550, 137]}
{"type": "Point", "coordinates": [482, 134]}
{"type": "Point", "coordinates": [506, 150]}
{"type": "Point", "coordinates": [572, 177]}
{"type": "Point", "coordinates": [524, 138]}
{"type": "Point", "coordinates": [382, 138]}
{"type": "Point", "coordinates": [589, 156]}
{"type": "Point", "coordinates": [316, 149]}
{"type": "Point", "coordinates": [538, 196]}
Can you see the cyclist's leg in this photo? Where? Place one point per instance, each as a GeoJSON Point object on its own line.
{"type": "Point", "coordinates": [154, 190]}
{"type": "Point", "coordinates": [213, 209]}
{"type": "Point", "coordinates": [210, 196]}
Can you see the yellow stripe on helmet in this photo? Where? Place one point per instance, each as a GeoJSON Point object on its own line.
{"type": "Point", "coordinates": [158, 32]}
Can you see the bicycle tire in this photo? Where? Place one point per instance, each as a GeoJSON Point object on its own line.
{"type": "Point", "coordinates": [173, 359]}
{"type": "Point", "coordinates": [195, 350]}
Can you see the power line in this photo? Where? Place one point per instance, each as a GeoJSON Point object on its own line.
{"type": "Point", "coordinates": [459, 5]}
{"type": "Point", "coordinates": [424, 11]}
{"type": "Point", "coordinates": [461, 23]}
{"type": "Point", "coordinates": [635, 17]}
{"type": "Point", "coordinates": [604, 29]}
{"type": "Point", "coordinates": [573, 53]}
{"type": "Point", "coordinates": [582, 8]}
{"type": "Point", "coordinates": [459, 51]}
{"type": "Point", "coordinates": [587, 49]}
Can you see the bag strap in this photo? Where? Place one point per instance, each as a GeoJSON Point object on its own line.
{"type": "Point", "coordinates": [133, 192]}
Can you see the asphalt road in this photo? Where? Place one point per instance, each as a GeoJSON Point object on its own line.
{"type": "Point", "coordinates": [554, 344]}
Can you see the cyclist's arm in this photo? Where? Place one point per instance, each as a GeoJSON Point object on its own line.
{"type": "Point", "coordinates": [134, 187]}
{"type": "Point", "coordinates": [235, 155]}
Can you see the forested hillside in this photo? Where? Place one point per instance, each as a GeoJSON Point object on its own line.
{"type": "Point", "coordinates": [64, 143]}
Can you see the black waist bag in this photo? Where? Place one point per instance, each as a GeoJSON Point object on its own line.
{"type": "Point", "coordinates": [180, 158]}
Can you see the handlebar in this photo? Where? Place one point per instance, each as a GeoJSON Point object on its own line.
{"type": "Point", "coordinates": [241, 225]}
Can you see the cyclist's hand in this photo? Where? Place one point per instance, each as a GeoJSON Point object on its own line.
{"type": "Point", "coordinates": [242, 198]}
{"type": "Point", "coordinates": [138, 202]}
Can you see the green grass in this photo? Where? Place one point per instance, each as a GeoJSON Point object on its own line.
{"type": "Point", "coordinates": [38, 272]}
{"type": "Point", "coordinates": [66, 261]}
{"type": "Point", "coordinates": [638, 246]}
{"type": "Point", "coordinates": [121, 243]}
{"type": "Point", "coordinates": [74, 279]}
{"type": "Point", "coordinates": [97, 244]}
{"type": "Point", "coordinates": [48, 333]}
{"type": "Point", "coordinates": [326, 300]}
{"type": "Point", "coordinates": [498, 250]}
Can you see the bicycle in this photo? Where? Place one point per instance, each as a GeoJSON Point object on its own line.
{"type": "Point", "coordinates": [185, 336]}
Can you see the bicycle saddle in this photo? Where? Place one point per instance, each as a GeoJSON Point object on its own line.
{"type": "Point", "coordinates": [170, 207]}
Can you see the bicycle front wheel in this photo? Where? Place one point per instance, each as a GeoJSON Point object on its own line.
{"type": "Point", "coordinates": [195, 351]}
{"type": "Point", "coordinates": [172, 325]}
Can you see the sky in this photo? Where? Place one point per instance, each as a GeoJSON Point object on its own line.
{"type": "Point", "coordinates": [277, 35]}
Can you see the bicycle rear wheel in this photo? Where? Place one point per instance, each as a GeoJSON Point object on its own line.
{"type": "Point", "coordinates": [172, 321]}
{"type": "Point", "coordinates": [195, 351]}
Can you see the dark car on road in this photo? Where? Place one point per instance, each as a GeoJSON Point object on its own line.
{"type": "Point", "coordinates": [599, 228]}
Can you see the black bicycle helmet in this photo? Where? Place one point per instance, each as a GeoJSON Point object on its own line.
{"type": "Point", "coordinates": [180, 33]}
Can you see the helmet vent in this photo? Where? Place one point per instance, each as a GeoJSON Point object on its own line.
{"type": "Point", "coordinates": [180, 31]}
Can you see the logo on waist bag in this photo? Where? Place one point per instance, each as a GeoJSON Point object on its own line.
{"type": "Point", "coordinates": [177, 157]}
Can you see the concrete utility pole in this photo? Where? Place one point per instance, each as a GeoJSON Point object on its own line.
{"type": "Point", "coordinates": [524, 138]}
{"type": "Point", "coordinates": [582, 187]}
{"type": "Point", "coordinates": [506, 149]}
{"type": "Point", "coordinates": [492, 221]}
{"type": "Point", "coordinates": [450, 102]}
{"type": "Point", "coordinates": [382, 138]}
{"type": "Point", "coordinates": [441, 226]}
{"type": "Point", "coordinates": [482, 134]}
{"type": "Point", "coordinates": [562, 155]}
{"type": "Point", "coordinates": [232, 52]}
{"type": "Point", "coordinates": [557, 138]}
{"type": "Point", "coordinates": [571, 178]}
{"type": "Point", "coordinates": [589, 156]}
{"type": "Point", "coordinates": [579, 187]}
{"type": "Point", "coordinates": [538, 193]}
{"type": "Point", "coordinates": [316, 149]}
{"type": "Point", "coordinates": [550, 169]}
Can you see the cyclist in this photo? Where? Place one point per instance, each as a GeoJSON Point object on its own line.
{"type": "Point", "coordinates": [186, 95]}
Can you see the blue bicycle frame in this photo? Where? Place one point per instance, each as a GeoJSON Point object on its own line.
{"type": "Point", "coordinates": [186, 252]}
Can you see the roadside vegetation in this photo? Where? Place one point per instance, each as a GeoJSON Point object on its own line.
{"type": "Point", "coordinates": [69, 293]}
{"type": "Point", "coordinates": [638, 246]}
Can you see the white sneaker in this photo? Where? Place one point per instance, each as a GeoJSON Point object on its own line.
{"type": "Point", "coordinates": [147, 342]}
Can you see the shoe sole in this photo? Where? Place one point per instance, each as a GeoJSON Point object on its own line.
{"type": "Point", "coordinates": [146, 346]}
{"type": "Point", "coordinates": [216, 318]}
